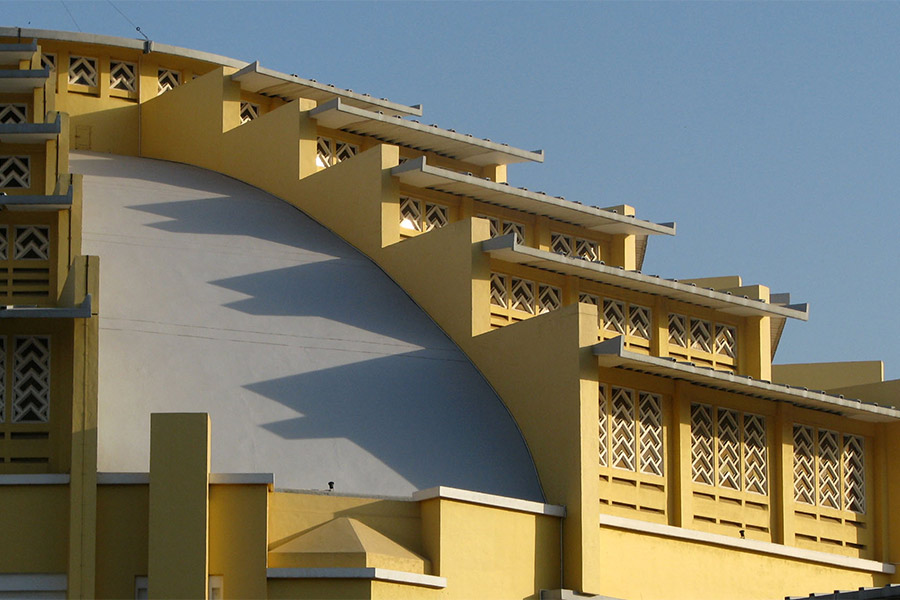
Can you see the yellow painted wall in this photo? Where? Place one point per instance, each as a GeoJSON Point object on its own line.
{"type": "Point", "coordinates": [35, 524]}
{"type": "Point", "coordinates": [827, 376]}
{"type": "Point", "coordinates": [668, 569]}
{"type": "Point", "coordinates": [319, 589]}
{"type": "Point", "coordinates": [122, 538]}
{"type": "Point", "coordinates": [237, 538]}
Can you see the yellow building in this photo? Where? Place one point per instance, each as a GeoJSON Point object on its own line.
{"type": "Point", "coordinates": [424, 383]}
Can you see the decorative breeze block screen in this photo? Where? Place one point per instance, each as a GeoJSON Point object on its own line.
{"type": "Point", "coordinates": [83, 71]}
{"type": "Point", "coordinates": [249, 111]}
{"type": "Point", "coordinates": [524, 295]}
{"type": "Point", "coordinates": [728, 449]}
{"type": "Point", "coordinates": [330, 152]}
{"type": "Point", "coordinates": [48, 61]}
{"type": "Point", "coordinates": [15, 172]}
{"type": "Point", "coordinates": [829, 469]}
{"type": "Point", "coordinates": [32, 243]}
{"type": "Point", "coordinates": [122, 76]}
{"type": "Point", "coordinates": [13, 113]}
{"type": "Point", "coordinates": [31, 380]}
{"type": "Point", "coordinates": [635, 435]}
{"type": "Point", "coordinates": [167, 79]}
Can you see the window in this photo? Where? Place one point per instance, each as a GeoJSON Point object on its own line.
{"type": "Point", "coordinates": [330, 152]}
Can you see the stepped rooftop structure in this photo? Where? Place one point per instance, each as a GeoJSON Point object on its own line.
{"type": "Point", "coordinates": [264, 337]}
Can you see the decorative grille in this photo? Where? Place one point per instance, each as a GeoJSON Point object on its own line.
{"type": "Point", "coordinates": [677, 330]}
{"type": "Point", "coordinates": [549, 298]}
{"type": "Point", "coordinates": [650, 417]}
{"type": "Point", "coordinates": [83, 71]}
{"type": "Point", "coordinates": [602, 430]}
{"type": "Point", "coordinates": [639, 321]}
{"type": "Point", "coordinates": [4, 243]}
{"type": "Point", "coordinates": [804, 461]}
{"type": "Point", "coordinates": [587, 250]}
{"type": "Point", "coordinates": [2, 379]}
{"type": "Point", "coordinates": [702, 460]}
{"type": "Point", "coordinates": [517, 228]}
{"type": "Point", "coordinates": [168, 79]}
{"type": "Point", "coordinates": [854, 474]}
{"type": "Point", "coordinates": [700, 335]}
{"type": "Point", "coordinates": [728, 449]}
{"type": "Point", "coordinates": [614, 316]}
{"type": "Point", "coordinates": [32, 243]}
{"type": "Point", "coordinates": [345, 151]}
{"type": "Point", "coordinates": [725, 340]}
{"type": "Point", "coordinates": [494, 223]}
{"type": "Point", "coordinates": [249, 111]}
{"type": "Point", "coordinates": [498, 290]}
{"type": "Point", "coordinates": [122, 76]}
{"type": "Point", "coordinates": [755, 455]}
{"type": "Point", "coordinates": [48, 61]}
{"type": "Point", "coordinates": [589, 299]}
{"type": "Point", "coordinates": [324, 157]}
{"type": "Point", "coordinates": [522, 295]}
{"type": "Point", "coordinates": [435, 216]}
{"type": "Point", "coordinates": [31, 380]}
{"type": "Point", "coordinates": [15, 172]}
{"type": "Point", "coordinates": [410, 217]}
{"type": "Point", "coordinates": [13, 113]}
{"type": "Point", "coordinates": [561, 244]}
{"type": "Point", "coordinates": [829, 469]}
{"type": "Point", "coordinates": [623, 436]}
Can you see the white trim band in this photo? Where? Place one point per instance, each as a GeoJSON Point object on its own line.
{"type": "Point", "coordinates": [242, 478]}
{"type": "Point", "coordinates": [33, 582]}
{"type": "Point", "coordinates": [35, 479]}
{"type": "Point", "coordinates": [769, 548]}
{"type": "Point", "coordinates": [357, 573]}
{"type": "Point", "coordinates": [527, 506]}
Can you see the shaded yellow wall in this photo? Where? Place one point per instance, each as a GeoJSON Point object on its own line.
{"type": "Point", "coordinates": [319, 589]}
{"type": "Point", "coordinates": [237, 538]}
{"type": "Point", "coordinates": [122, 538]}
{"type": "Point", "coordinates": [35, 522]}
{"type": "Point", "coordinates": [830, 375]}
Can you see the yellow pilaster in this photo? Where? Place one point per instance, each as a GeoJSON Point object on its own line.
{"type": "Point", "coordinates": [783, 498]}
{"type": "Point", "coordinates": [757, 356]}
{"type": "Point", "coordinates": [624, 252]}
{"type": "Point", "coordinates": [495, 172]}
{"type": "Point", "coordinates": [179, 505]}
{"type": "Point", "coordinates": [542, 233]}
{"type": "Point", "coordinates": [680, 451]}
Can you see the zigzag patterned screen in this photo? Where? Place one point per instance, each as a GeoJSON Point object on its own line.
{"type": "Point", "coordinates": [650, 420]}
{"type": "Point", "coordinates": [702, 453]}
{"type": "Point", "coordinates": [32, 243]}
{"type": "Point", "coordinates": [13, 113]}
{"type": "Point", "coordinates": [48, 61]}
{"type": "Point", "coordinates": [728, 449]}
{"type": "Point", "coordinates": [31, 380]}
{"type": "Point", "coordinates": [631, 433]}
{"type": "Point", "coordinates": [249, 111]}
{"type": "Point", "coordinates": [83, 71]}
{"type": "Point", "coordinates": [839, 462]}
{"type": "Point", "coordinates": [623, 437]}
{"type": "Point", "coordinates": [15, 172]}
{"type": "Point", "coordinates": [4, 242]}
{"type": "Point", "coordinates": [2, 379]}
{"type": "Point", "coordinates": [167, 79]}
{"type": "Point", "coordinates": [122, 76]}
{"type": "Point", "coordinates": [603, 430]}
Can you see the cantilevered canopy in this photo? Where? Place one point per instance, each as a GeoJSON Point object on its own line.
{"type": "Point", "coordinates": [36, 202]}
{"type": "Point", "coordinates": [417, 173]}
{"type": "Point", "coordinates": [21, 81]}
{"type": "Point", "coordinates": [612, 353]}
{"type": "Point", "coordinates": [506, 248]}
{"type": "Point", "coordinates": [82, 311]}
{"type": "Point", "coordinates": [259, 80]}
{"type": "Point", "coordinates": [29, 133]}
{"type": "Point", "coordinates": [13, 53]}
{"type": "Point", "coordinates": [338, 114]}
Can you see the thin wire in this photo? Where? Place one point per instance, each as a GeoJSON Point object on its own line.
{"type": "Point", "coordinates": [71, 16]}
{"type": "Point", "coordinates": [124, 16]}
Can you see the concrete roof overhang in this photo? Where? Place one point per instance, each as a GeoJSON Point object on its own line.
{"type": "Point", "coordinates": [29, 133]}
{"type": "Point", "coordinates": [259, 80]}
{"type": "Point", "coordinates": [37, 202]}
{"type": "Point", "coordinates": [418, 173]}
{"type": "Point", "coordinates": [82, 311]}
{"type": "Point", "coordinates": [612, 353]}
{"type": "Point", "coordinates": [338, 114]}
{"type": "Point", "coordinates": [506, 248]}
{"type": "Point", "coordinates": [17, 52]}
{"type": "Point", "coordinates": [21, 81]}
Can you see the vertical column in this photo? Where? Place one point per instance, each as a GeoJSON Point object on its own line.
{"type": "Point", "coordinates": [179, 505]}
{"type": "Point", "coordinates": [756, 359]}
{"type": "Point", "coordinates": [783, 480]}
{"type": "Point", "coordinates": [624, 251]}
{"type": "Point", "coordinates": [681, 484]}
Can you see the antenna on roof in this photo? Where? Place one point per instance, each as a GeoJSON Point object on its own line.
{"type": "Point", "coordinates": [148, 43]}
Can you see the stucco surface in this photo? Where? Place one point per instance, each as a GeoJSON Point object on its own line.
{"type": "Point", "coordinates": [311, 362]}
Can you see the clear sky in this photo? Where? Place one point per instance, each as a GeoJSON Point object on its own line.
{"type": "Point", "coordinates": [769, 131]}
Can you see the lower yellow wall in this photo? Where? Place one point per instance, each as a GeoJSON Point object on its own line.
{"type": "Point", "coordinates": [320, 589]}
{"type": "Point", "coordinates": [34, 520]}
{"type": "Point", "coordinates": [237, 539]}
{"type": "Point", "coordinates": [122, 530]}
{"type": "Point", "coordinates": [666, 569]}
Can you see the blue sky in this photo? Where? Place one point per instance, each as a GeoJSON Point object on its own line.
{"type": "Point", "coordinates": [768, 131]}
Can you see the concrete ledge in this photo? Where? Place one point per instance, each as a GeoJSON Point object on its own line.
{"type": "Point", "coordinates": [527, 506]}
{"type": "Point", "coordinates": [33, 582]}
{"type": "Point", "coordinates": [242, 478]}
{"type": "Point", "coordinates": [123, 478]}
{"type": "Point", "coordinates": [36, 479]}
{"type": "Point", "coordinates": [824, 558]}
{"type": "Point", "coordinates": [358, 573]}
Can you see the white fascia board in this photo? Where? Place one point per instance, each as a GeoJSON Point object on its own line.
{"type": "Point", "coordinates": [259, 80]}
{"type": "Point", "coordinates": [35, 479]}
{"type": "Point", "coordinates": [336, 114]}
{"type": "Point", "coordinates": [507, 249]}
{"type": "Point", "coordinates": [494, 501]}
{"type": "Point", "coordinates": [22, 81]}
{"type": "Point", "coordinates": [82, 311]}
{"type": "Point", "coordinates": [417, 173]}
{"type": "Point", "coordinates": [371, 573]}
{"type": "Point", "coordinates": [37, 202]}
{"type": "Point", "coordinates": [669, 531]}
{"type": "Point", "coordinates": [13, 53]}
{"type": "Point", "coordinates": [242, 479]}
{"type": "Point", "coordinates": [612, 353]}
{"type": "Point", "coordinates": [29, 133]}
{"type": "Point", "coordinates": [33, 582]}
{"type": "Point", "coordinates": [109, 40]}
